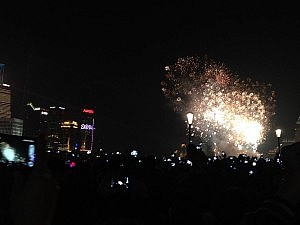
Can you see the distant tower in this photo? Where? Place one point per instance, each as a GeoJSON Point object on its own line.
{"type": "Point", "coordinates": [5, 96]}
{"type": "Point", "coordinates": [87, 128]}
{"type": "Point", "coordinates": [8, 125]}
{"type": "Point", "coordinates": [56, 136]}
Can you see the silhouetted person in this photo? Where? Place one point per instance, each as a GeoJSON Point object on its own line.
{"type": "Point", "coordinates": [284, 207]}
{"type": "Point", "coordinates": [34, 193]}
{"type": "Point", "coordinates": [196, 156]}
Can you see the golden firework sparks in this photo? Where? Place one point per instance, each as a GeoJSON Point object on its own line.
{"type": "Point", "coordinates": [226, 108]}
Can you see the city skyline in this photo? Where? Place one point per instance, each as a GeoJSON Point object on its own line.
{"type": "Point", "coordinates": [112, 59]}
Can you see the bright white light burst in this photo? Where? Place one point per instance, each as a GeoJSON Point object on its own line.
{"type": "Point", "coordinates": [230, 113]}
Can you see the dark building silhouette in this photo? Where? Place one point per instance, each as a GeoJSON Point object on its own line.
{"type": "Point", "coordinates": [297, 130]}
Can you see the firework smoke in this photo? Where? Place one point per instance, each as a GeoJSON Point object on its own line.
{"type": "Point", "coordinates": [231, 114]}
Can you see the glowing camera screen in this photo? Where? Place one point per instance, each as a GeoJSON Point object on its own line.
{"type": "Point", "coordinates": [18, 150]}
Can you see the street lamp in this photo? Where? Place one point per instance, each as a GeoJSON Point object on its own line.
{"type": "Point", "coordinates": [190, 117]}
{"type": "Point", "coordinates": [278, 135]}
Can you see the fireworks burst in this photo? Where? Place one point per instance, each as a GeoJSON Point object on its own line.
{"type": "Point", "coordinates": [227, 110]}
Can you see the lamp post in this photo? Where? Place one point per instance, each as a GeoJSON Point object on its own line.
{"type": "Point", "coordinates": [278, 135]}
{"type": "Point", "coordinates": [190, 117]}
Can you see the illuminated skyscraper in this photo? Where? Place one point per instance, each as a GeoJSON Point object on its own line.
{"type": "Point", "coordinates": [5, 96]}
{"type": "Point", "coordinates": [8, 125]}
{"type": "Point", "coordinates": [69, 130]}
{"type": "Point", "coordinates": [87, 130]}
{"type": "Point", "coordinates": [57, 139]}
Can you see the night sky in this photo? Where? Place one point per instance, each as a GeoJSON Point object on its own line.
{"type": "Point", "coordinates": [111, 57]}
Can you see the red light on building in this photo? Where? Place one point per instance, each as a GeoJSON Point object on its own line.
{"type": "Point", "coordinates": [90, 111]}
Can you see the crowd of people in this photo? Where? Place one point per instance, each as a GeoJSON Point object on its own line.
{"type": "Point", "coordinates": [134, 189]}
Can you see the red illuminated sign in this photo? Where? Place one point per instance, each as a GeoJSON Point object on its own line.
{"type": "Point", "coordinates": [90, 111]}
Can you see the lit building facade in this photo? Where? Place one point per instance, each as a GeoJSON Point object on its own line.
{"type": "Point", "coordinates": [5, 101]}
{"type": "Point", "coordinates": [69, 139]}
{"type": "Point", "coordinates": [56, 139]}
{"type": "Point", "coordinates": [87, 128]}
{"type": "Point", "coordinates": [8, 125]}
{"type": "Point", "coordinates": [13, 126]}
{"type": "Point", "coordinates": [63, 131]}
